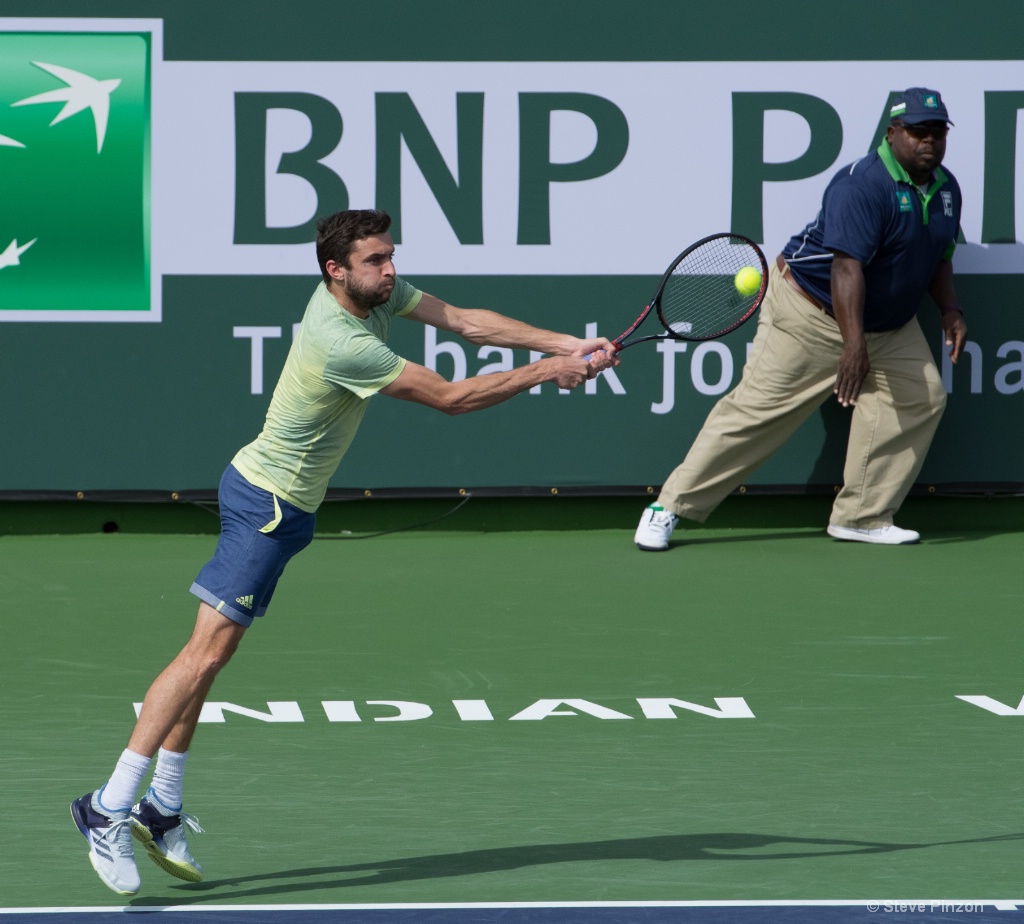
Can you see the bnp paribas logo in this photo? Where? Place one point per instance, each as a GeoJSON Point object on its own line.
{"type": "Point", "coordinates": [75, 176]}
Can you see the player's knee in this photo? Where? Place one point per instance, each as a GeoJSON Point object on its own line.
{"type": "Point", "coordinates": [206, 665]}
{"type": "Point", "coordinates": [204, 658]}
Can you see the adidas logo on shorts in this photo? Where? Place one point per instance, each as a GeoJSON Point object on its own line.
{"type": "Point", "coordinates": [246, 601]}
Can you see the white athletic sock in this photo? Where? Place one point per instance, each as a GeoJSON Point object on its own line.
{"type": "Point", "coordinates": [118, 795]}
{"type": "Point", "coordinates": [167, 779]}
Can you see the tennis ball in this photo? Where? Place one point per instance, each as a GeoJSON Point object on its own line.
{"type": "Point", "coordinates": [747, 281]}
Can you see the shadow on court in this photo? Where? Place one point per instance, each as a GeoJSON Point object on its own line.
{"type": "Point", "coordinates": [665, 849]}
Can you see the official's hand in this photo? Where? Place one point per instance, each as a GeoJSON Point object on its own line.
{"type": "Point", "coordinates": [956, 333]}
{"type": "Point", "coordinates": [850, 374]}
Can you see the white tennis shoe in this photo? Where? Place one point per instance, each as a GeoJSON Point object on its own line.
{"type": "Point", "coordinates": [655, 529]}
{"type": "Point", "coordinates": [162, 833]}
{"type": "Point", "coordinates": [883, 535]}
{"type": "Point", "coordinates": [110, 845]}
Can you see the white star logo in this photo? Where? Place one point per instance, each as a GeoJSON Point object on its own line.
{"type": "Point", "coordinates": [10, 256]}
{"type": "Point", "coordinates": [10, 142]}
{"type": "Point", "coordinates": [82, 92]}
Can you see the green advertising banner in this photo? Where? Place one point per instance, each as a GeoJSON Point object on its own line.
{"type": "Point", "coordinates": [546, 161]}
{"type": "Point", "coordinates": [75, 183]}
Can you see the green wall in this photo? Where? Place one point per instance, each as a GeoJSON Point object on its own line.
{"type": "Point", "coordinates": [163, 406]}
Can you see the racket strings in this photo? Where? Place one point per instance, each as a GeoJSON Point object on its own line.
{"type": "Point", "coordinates": [700, 298]}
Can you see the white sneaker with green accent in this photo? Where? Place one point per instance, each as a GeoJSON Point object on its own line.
{"type": "Point", "coordinates": [655, 529]}
{"type": "Point", "coordinates": [163, 836]}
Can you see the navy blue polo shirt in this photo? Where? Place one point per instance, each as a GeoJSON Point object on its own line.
{"type": "Point", "coordinates": [872, 211]}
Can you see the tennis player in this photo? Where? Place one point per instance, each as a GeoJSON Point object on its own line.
{"type": "Point", "coordinates": [269, 495]}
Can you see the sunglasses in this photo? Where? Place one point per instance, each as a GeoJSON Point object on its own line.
{"type": "Point", "coordinates": [925, 129]}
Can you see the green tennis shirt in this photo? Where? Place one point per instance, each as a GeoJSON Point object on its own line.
{"type": "Point", "coordinates": [336, 363]}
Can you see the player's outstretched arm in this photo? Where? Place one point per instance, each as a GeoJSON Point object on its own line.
{"type": "Point", "coordinates": [423, 385]}
{"type": "Point", "coordinates": [488, 328]}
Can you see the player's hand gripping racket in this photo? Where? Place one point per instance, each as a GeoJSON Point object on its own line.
{"type": "Point", "coordinates": [711, 288]}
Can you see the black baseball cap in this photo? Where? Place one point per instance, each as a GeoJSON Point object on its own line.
{"type": "Point", "coordinates": [918, 105]}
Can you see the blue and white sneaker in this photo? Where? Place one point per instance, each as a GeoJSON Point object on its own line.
{"type": "Point", "coordinates": [110, 844]}
{"type": "Point", "coordinates": [162, 832]}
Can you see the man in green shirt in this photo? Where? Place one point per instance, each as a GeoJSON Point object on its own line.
{"type": "Point", "coordinates": [270, 492]}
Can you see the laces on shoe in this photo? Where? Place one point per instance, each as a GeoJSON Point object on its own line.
{"type": "Point", "coordinates": [120, 835]}
{"type": "Point", "coordinates": [174, 838]}
{"type": "Point", "coordinates": [192, 822]}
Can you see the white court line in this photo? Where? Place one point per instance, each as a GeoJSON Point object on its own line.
{"type": "Point", "coordinates": [937, 903]}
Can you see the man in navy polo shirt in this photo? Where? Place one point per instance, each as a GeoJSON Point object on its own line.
{"type": "Point", "coordinates": [840, 318]}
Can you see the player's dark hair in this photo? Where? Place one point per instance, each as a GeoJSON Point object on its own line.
{"type": "Point", "coordinates": [337, 234]}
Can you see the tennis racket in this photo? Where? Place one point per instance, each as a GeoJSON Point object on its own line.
{"type": "Point", "coordinates": [710, 289]}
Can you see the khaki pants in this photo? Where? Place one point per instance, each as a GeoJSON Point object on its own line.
{"type": "Point", "coordinates": [790, 373]}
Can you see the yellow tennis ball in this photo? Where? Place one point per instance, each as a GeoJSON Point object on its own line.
{"type": "Point", "coordinates": [747, 281]}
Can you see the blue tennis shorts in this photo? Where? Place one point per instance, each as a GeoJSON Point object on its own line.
{"type": "Point", "coordinates": [259, 535]}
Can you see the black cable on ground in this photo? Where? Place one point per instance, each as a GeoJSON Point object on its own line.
{"type": "Point", "coordinates": [399, 529]}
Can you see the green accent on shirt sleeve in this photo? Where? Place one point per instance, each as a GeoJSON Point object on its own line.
{"type": "Point", "coordinates": [415, 296]}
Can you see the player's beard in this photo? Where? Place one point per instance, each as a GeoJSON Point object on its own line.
{"type": "Point", "coordinates": [367, 297]}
